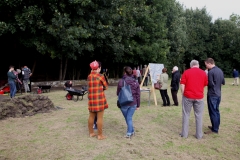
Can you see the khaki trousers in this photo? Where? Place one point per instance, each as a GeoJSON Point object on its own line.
{"type": "Point", "coordinates": [236, 81]}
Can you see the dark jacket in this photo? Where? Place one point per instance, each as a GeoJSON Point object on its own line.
{"type": "Point", "coordinates": [67, 84]}
{"type": "Point", "coordinates": [235, 74]}
{"type": "Point", "coordinates": [175, 81]}
{"type": "Point", "coordinates": [134, 87]}
{"type": "Point", "coordinates": [27, 73]}
{"type": "Point", "coordinates": [215, 81]}
{"type": "Point", "coordinates": [11, 76]}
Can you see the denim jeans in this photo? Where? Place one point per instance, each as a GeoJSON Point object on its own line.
{"type": "Point", "coordinates": [13, 88]}
{"type": "Point", "coordinates": [95, 122]}
{"type": "Point", "coordinates": [213, 110]}
{"type": "Point", "coordinates": [26, 87]}
{"type": "Point", "coordinates": [128, 112]}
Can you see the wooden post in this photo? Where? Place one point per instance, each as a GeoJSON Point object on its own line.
{"type": "Point", "coordinates": [153, 90]}
{"type": "Point", "coordinates": [144, 76]}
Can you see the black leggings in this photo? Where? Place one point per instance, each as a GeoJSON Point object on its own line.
{"type": "Point", "coordinates": [165, 97]}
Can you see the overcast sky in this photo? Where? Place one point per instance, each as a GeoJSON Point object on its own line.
{"type": "Point", "coordinates": [216, 8]}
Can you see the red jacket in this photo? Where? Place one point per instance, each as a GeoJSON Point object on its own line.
{"type": "Point", "coordinates": [96, 97]}
{"type": "Point", "coordinates": [194, 80]}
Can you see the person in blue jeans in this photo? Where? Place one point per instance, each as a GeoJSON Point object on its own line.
{"type": "Point", "coordinates": [12, 81]}
{"type": "Point", "coordinates": [129, 109]}
{"type": "Point", "coordinates": [95, 123]}
{"type": "Point", "coordinates": [215, 82]}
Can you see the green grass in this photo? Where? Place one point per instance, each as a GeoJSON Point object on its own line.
{"type": "Point", "coordinates": [63, 134]}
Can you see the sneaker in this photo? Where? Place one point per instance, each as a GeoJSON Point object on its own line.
{"type": "Point", "coordinates": [128, 136]}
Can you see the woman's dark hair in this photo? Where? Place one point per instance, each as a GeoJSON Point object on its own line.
{"type": "Point", "coordinates": [128, 70]}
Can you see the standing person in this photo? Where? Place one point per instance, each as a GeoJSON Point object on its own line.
{"type": "Point", "coordinates": [11, 81]}
{"type": "Point", "coordinates": [175, 84]}
{"type": "Point", "coordinates": [206, 71]}
{"type": "Point", "coordinates": [215, 82]}
{"type": "Point", "coordinates": [192, 83]}
{"type": "Point", "coordinates": [236, 77]}
{"type": "Point", "coordinates": [139, 76]}
{"type": "Point", "coordinates": [145, 83]}
{"type": "Point", "coordinates": [18, 81]}
{"type": "Point", "coordinates": [26, 73]}
{"type": "Point", "coordinates": [107, 73]}
{"type": "Point", "coordinates": [135, 74]}
{"type": "Point", "coordinates": [96, 99]}
{"type": "Point", "coordinates": [163, 90]}
{"type": "Point", "coordinates": [95, 123]}
{"type": "Point", "coordinates": [129, 109]}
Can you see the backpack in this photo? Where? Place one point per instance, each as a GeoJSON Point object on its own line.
{"type": "Point", "coordinates": [125, 95]}
{"type": "Point", "coordinates": [26, 74]}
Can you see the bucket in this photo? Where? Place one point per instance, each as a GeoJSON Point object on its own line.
{"type": "Point", "coordinates": [1, 92]}
{"type": "Point", "coordinates": [39, 91]}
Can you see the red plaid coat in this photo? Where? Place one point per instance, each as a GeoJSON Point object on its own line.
{"type": "Point", "coordinates": [96, 97]}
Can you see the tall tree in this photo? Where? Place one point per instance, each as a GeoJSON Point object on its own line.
{"type": "Point", "coordinates": [224, 39]}
{"type": "Point", "coordinates": [177, 35]}
{"type": "Point", "coordinates": [198, 29]}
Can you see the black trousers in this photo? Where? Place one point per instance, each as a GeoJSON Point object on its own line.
{"type": "Point", "coordinates": [165, 97]}
{"type": "Point", "coordinates": [145, 83]}
{"type": "Point", "coordinates": [174, 97]}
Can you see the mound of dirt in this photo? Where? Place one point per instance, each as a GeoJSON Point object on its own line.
{"type": "Point", "coordinates": [27, 105]}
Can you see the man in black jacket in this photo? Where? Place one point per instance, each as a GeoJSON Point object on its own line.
{"type": "Point", "coordinates": [175, 84]}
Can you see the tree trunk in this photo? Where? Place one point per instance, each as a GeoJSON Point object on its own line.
{"type": "Point", "coordinates": [74, 73]}
{"type": "Point", "coordinates": [78, 74]}
{"type": "Point", "coordinates": [117, 73]}
{"type": "Point", "coordinates": [34, 66]}
{"type": "Point", "coordinates": [65, 69]}
{"type": "Point", "coordinates": [46, 76]}
{"type": "Point", "coordinates": [60, 70]}
{"type": "Point", "coordinates": [114, 72]}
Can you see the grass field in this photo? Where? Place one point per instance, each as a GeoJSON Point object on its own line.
{"type": "Point", "coordinates": [63, 134]}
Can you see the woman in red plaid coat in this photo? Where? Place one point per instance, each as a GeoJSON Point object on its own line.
{"type": "Point", "coordinates": [97, 101]}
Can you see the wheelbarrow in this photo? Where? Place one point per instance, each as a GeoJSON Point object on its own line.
{"type": "Point", "coordinates": [74, 94]}
{"type": "Point", "coordinates": [44, 88]}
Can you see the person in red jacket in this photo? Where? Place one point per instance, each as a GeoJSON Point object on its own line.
{"type": "Point", "coordinates": [192, 83]}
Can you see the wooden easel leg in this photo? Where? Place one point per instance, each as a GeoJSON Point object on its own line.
{"type": "Point", "coordinates": [144, 77]}
{"type": "Point", "coordinates": [154, 95]}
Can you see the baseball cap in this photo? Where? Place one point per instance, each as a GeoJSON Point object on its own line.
{"type": "Point", "coordinates": [94, 65]}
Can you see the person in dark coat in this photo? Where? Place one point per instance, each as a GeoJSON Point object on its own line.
{"type": "Point", "coordinates": [175, 84]}
{"type": "Point", "coordinates": [236, 77]}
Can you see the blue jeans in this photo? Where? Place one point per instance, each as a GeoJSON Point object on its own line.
{"type": "Point", "coordinates": [128, 112]}
{"type": "Point", "coordinates": [213, 110]}
{"type": "Point", "coordinates": [95, 122]}
{"type": "Point", "coordinates": [13, 88]}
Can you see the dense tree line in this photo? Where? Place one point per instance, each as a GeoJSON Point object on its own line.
{"type": "Point", "coordinates": [117, 32]}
